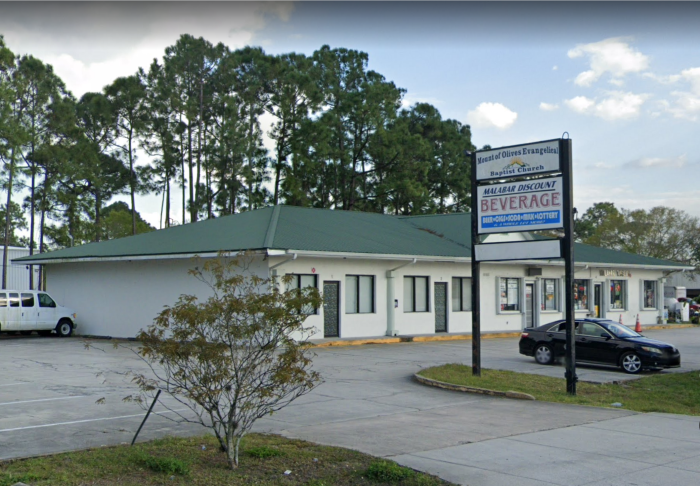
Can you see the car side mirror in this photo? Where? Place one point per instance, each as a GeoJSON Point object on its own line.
{"type": "Point", "coordinates": [605, 335]}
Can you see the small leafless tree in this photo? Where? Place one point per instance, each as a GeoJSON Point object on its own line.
{"type": "Point", "coordinates": [238, 356]}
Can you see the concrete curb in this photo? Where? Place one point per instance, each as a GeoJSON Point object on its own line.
{"type": "Point", "coordinates": [471, 389]}
{"type": "Point", "coordinates": [413, 339]}
{"type": "Point", "coordinates": [457, 337]}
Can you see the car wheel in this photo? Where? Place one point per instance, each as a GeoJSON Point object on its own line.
{"type": "Point", "coordinates": [631, 363]}
{"type": "Point", "coordinates": [64, 328]}
{"type": "Point", "coordinates": [544, 354]}
{"type": "Point", "coordinates": [44, 333]}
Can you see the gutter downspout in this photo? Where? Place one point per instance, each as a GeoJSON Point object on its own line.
{"type": "Point", "coordinates": [390, 300]}
{"type": "Point", "coordinates": [273, 272]}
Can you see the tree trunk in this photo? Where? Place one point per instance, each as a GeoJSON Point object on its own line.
{"type": "Point", "coordinates": [98, 210]}
{"type": "Point", "coordinates": [193, 209]}
{"type": "Point", "coordinates": [8, 219]}
{"type": "Point", "coordinates": [199, 141]}
{"type": "Point", "coordinates": [132, 184]}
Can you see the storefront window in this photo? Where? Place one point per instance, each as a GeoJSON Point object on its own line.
{"type": "Point", "coordinates": [649, 296]}
{"type": "Point", "coordinates": [549, 294]}
{"type": "Point", "coordinates": [580, 295]}
{"type": "Point", "coordinates": [510, 294]}
{"type": "Point", "coordinates": [617, 294]}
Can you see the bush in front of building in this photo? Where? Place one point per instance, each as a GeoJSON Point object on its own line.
{"type": "Point", "coordinates": [238, 356]}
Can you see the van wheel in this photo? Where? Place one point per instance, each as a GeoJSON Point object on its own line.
{"type": "Point", "coordinates": [64, 328]}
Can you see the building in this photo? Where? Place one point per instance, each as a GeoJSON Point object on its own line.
{"type": "Point", "coordinates": [18, 273]}
{"type": "Point", "coordinates": [380, 274]}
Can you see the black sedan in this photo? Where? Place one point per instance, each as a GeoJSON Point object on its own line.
{"type": "Point", "coordinates": [599, 341]}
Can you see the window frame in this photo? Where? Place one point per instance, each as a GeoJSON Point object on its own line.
{"type": "Point", "coordinates": [642, 300]}
{"type": "Point", "coordinates": [555, 298]}
{"type": "Point", "coordinates": [587, 307]}
{"type": "Point", "coordinates": [413, 297]}
{"type": "Point", "coordinates": [623, 293]}
{"type": "Point", "coordinates": [297, 282]}
{"type": "Point", "coordinates": [462, 299]}
{"type": "Point", "coordinates": [357, 290]}
{"type": "Point", "coordinates": [39, 295]}
{"type": "Point", "coordinates": [499, 309]}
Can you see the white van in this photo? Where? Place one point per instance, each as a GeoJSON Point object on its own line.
{"type": "Point", "coordinates": [30, 310]}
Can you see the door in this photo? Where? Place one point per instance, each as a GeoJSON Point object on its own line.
{"type": "Point", "coordinates": [46, 312]}
{"type": "Point", "coordinates": [440, 307]}
{"type": "Point", "coordinates": [592, 346]}
{"type": "Point", "coordinates": [331, 309]}
{"type": "Point", "coordinates": [14, 312]}
{"type": "Point", "coordinates": [4, 302]}
{"type": "Point", "coordinates": [596, 299]}
{"type": "Point", "coordinates": [29, 312]}
{"type": "Point", "coordinates": [529, 304]}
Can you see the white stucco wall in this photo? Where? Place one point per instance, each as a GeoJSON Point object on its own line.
{"type": "Point", "coordinates": [120, 298]}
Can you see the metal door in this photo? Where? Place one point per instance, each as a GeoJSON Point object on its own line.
{"type": "Point", "coordinates": [440, 307]}
{"type": "Point", "coordinates": [596, 300]}
{"type": "Point", "coordinates": [529, 307]}
{"type": "Point", "coordinates": [331, 310]}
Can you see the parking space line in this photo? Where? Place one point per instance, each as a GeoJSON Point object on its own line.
{"type": "Point", "coordinates": [89, 420]}
{"type": "Point", "coordinates": [43, 400]}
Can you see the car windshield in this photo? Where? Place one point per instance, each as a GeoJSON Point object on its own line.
{"type": "Point", "coordinates": [620, 330]}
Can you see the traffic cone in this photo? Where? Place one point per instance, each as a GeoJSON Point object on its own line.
{"type": "Point", "coordinates": [638, 325]}
{"type": "Point", "coordinates": [621, 320]}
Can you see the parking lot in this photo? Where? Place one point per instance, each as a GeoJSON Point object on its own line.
{"type": "Point", "coordinates": [49, 388]}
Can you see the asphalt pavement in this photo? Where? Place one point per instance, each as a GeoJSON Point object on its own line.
{"type": "Point", "coordinates": [50, 387]}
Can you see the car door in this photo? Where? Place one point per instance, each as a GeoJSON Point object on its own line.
{"type": "Point", "coordinates": [46, 312]}
{"type": "Point", "coordinates": [28, 317]}
{"type": "Point", "coordinates": [4, 324]}
{"type": "Point", "coordinates": [14, 312]}
{"type": "Point", "coordinates": [593, 346]}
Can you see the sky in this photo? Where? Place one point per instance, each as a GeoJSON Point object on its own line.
{"type": "Point", "coordinates": [621, 78]}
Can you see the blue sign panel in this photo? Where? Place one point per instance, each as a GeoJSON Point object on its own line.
{"type": "Point", "coordinates": [521, 219]}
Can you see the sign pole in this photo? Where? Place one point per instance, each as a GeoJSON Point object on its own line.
{"type": "Point", "coordinates": [568, 253]}
{"type": "Point", "coordinates": [476, 287]}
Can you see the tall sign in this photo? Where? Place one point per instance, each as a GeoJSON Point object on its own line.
{"type": "Point", "coordinates": [523, 188]}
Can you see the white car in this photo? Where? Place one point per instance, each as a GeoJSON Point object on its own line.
{"type": "Point", "coordinates": [25, 311]}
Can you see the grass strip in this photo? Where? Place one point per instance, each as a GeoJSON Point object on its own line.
{"type": "Point", "coordinates": [198, 461]}
{"type": "Point", "coordinates": [667, 393]}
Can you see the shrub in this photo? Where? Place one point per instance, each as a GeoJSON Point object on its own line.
{"type": "Point", "coordinates": [388, 472]}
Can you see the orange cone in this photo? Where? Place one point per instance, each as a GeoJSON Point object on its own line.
{"type": "Point", "coordinates": [638, 326]}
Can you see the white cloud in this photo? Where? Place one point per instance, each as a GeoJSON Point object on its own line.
{"type": "Point", "coordinates": [687, 103]}
{"type": "Point", "coordinates": [555, 68]}
{"type": "Point", "coordinates": [89, 65]}
{"type": "Point", "coordinates": [659, 162]}
{"type": "Point", "coordinates": [411, 99]}
{"type": "Point", "coordinates": [580, 104]}
{"type": "Point", "coordinates": [618, 105]}
{"type": "Point", "coordinates": [491, 115]}
{"type": "Point", "coordinates": [548, 106]}
{"type": "Point", "coordinates": [613, 56]}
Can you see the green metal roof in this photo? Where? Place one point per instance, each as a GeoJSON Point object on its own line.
{"type": "Point", "coordinates": [457, 227]}
{"type": "Point", "coordinates": [305, 229]}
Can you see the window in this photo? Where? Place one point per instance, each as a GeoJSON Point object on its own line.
{"type": "Point", "coordinates": [27, 300]}
{"type": "Point", "coordinates": [561, 327]}
{"type": "Point", "coordinates": [3, 300]}
{"type": "Point", "coordinates": [510, 294]}
{"type": "Point", "coordinates": [14, 300]}
{"type": "Point", "coordinates": [359, 294]}
{"type": "Point", "coordinates": [618, 291]}
{"type": "Point", "coordinates": [300, 281]}
{"type": "Point", "coordinates": [590, 329]}
{"type": "Point", "coordinates": [461, 294]}
{"type": "Point", "coordinates": [580, 295]}
{"type": "Point", "coordinates": [415, 294]}
{"type": "Point", "coordinates": [46, 301]}
{"type": "Point", "coordinates": [550, 296]}
{"type": "Point", "coordinates": [649, 295]}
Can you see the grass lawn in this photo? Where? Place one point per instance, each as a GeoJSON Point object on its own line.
{"type": "Point", "coordinates": [670, 393]}
{"type": "Point", "coordinates": [198, 461]}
